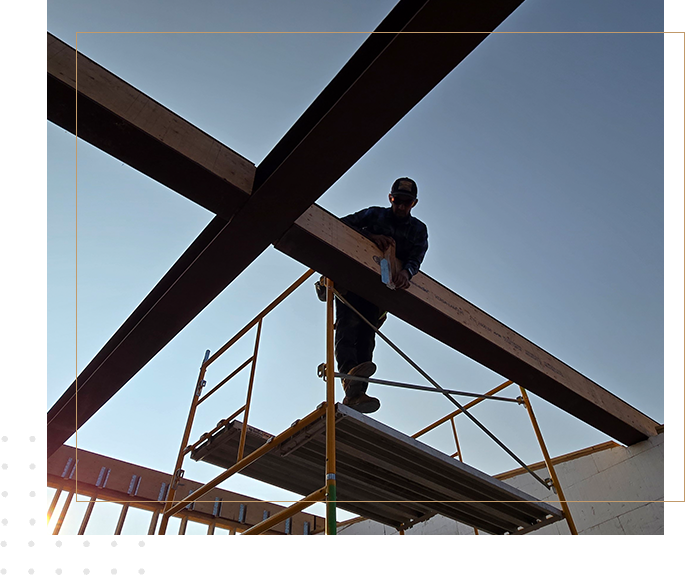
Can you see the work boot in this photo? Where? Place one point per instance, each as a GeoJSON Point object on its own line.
{"type": "Point", "coordinates": [362, 403]}
{"type": "Point", "coordinates": [355, 396]}
{"type": "Point", "coordinates": [353, 387]}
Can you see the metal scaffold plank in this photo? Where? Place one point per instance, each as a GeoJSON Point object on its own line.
{"type": "Point", "coordinates": [383, 475]}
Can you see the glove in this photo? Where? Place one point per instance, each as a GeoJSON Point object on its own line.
{"type": "Point", "coordinates": [320, 287]}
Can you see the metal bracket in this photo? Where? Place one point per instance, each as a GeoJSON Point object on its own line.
{"type": "Point", "coordinates": [321, 370]}
{"type": "Point", "coordinates": [175, 482]}
{"type": "Point", "coordinates": [200, 385]}
{"type": "Point", "coordinates": [550, 484]}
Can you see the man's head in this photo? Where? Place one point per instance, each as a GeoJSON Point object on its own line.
{"type": "Point", "coordinates": [403, 197]}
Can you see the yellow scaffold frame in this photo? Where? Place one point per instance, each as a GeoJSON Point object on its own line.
{"type": "Point", "coordinates": [555, 483]}
{"type": "Point", "coordinates": [327, 493]}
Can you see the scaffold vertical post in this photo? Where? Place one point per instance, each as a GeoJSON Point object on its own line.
{"type": "Point", "coordinates": [184, 442]}
{"type": "Point", "coordinates": [331, 522]}
{"type": "Point", "coordinates": [459, 454]}
{"type": "Point", "coordinates": [248, 400]}
{"type": "Point", "coordinates": [548, 463]}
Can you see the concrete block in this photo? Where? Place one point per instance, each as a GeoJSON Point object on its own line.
{"type": "Point", "coordinates": [589, 515]}
{"type": "Point", "coordinates": [610, 457]}
{"type": "Point", "coordinates": [437, 525]}
{"type": "Point", "coordinates": [611, 527]}
{"type": "Point", "coordinates": [650, 466]}
{"type": "Point", "coordinates": [586, 515]}
{"type": "Point", "coordinates": [581, 492]}
{"type": "Point", "coordinates": [563, 528]}
{"type": "Point", "coordinates": [645, 520]}
{"type": "Point", "coordinates": [367, 527]}
{"type": "Point", "coordinates": [558, 528]}
{"type": "Point", "coordinates": [571, 472]}
{"type": "Point", "coordinates": [618, 482]}
{"type": "Point", "coordinates": [622, 482]}
{"type": "Point", "coordinates": [645, 445]}
{"type": "Point", "coordinates": [529, 485]}
{"type": "Point", "coordinates": [463, 529]}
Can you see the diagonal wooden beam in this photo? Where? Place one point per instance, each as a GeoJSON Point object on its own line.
{"type": "Point", "coordinates": [389, 74]}
{"type": "Point", "coordinates": [129, 125]}
{"type": "Point", "coordinates": [321, 241]}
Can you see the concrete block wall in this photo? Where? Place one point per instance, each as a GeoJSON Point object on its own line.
{"type": "Point", "coordinates": [611, 492]}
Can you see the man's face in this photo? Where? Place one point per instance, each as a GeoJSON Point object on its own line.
{"type": "Point", "coordinates": [402, 204]}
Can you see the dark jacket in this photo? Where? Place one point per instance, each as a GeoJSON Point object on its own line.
{"type": "Point", "coordinates": [410, 234]}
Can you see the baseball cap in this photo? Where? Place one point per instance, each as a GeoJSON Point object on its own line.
{"type": "Point", "coordinates": [404, 187]}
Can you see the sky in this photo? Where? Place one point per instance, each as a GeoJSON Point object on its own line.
{"type": "Point", "coordinates": [539, 163]}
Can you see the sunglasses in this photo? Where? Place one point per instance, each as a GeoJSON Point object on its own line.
{"type": "Point", "coordinates": [402, 201]}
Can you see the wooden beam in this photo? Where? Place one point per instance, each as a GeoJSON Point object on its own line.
{"type": "Point", "coordinates": [106, 121]}
{"type": "Point", "coordinates": [321, 241]}
{"type": "Point", "coordinates": [129, 125]}
{"type": "Point", "coordinates": [150, 483]}
{"type": "Point", "coordinates": [340, 126]}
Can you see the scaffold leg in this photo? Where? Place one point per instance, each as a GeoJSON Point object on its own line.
{"type": "Point", "coordinates": [331, 497]}
{"type": "Point", "coordinates": [548, 463]}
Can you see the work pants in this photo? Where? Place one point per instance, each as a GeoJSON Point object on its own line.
{"type": "Point", "coordinates": [354, 338]}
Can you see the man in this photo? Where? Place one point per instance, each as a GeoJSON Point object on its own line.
{"type": "Point", "coordinates": [354, 339]}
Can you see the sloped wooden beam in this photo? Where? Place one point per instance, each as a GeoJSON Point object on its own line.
{"type": "Point", "coordinates": [321, 241]}
{"type": "Point", "coordinates": [146, 488]}
{"type": "Point", "coordinates": [389, 74]}
{"type": "Point", "coordinates": [129, 125]}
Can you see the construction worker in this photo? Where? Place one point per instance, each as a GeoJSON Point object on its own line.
{"type": "Point", "coordinates": [354, 339]}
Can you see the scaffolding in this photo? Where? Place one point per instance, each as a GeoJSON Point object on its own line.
{"type": "Point", "coordinates": [386, 475]}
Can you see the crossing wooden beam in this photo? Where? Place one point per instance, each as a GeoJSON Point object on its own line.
{"type": "Point", "coordinates": [132, 127]}
{"type": "Point", "coordinates": [321, 241]}
{"type": "Point", "coordinates": [387, 76]}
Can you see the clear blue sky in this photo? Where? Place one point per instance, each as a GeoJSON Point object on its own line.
{"type": "Point", "coordinates": [539, 162]}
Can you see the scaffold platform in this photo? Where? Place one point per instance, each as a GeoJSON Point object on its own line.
{"type": "Point", "coordinates": [382, 475]}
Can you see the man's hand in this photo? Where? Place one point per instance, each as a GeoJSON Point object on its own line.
{"type": "Point", "coordinates": [401, 280]}
{"type": "Point", "coordinates": [383, 242]}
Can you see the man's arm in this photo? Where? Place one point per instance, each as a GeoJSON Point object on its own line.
{"type": "Point", "coordinates": [361, 220]}
{"type": "Point", "coordinates": [414, 258]}
{"type": "Point", "coordinates": [417, 252]}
